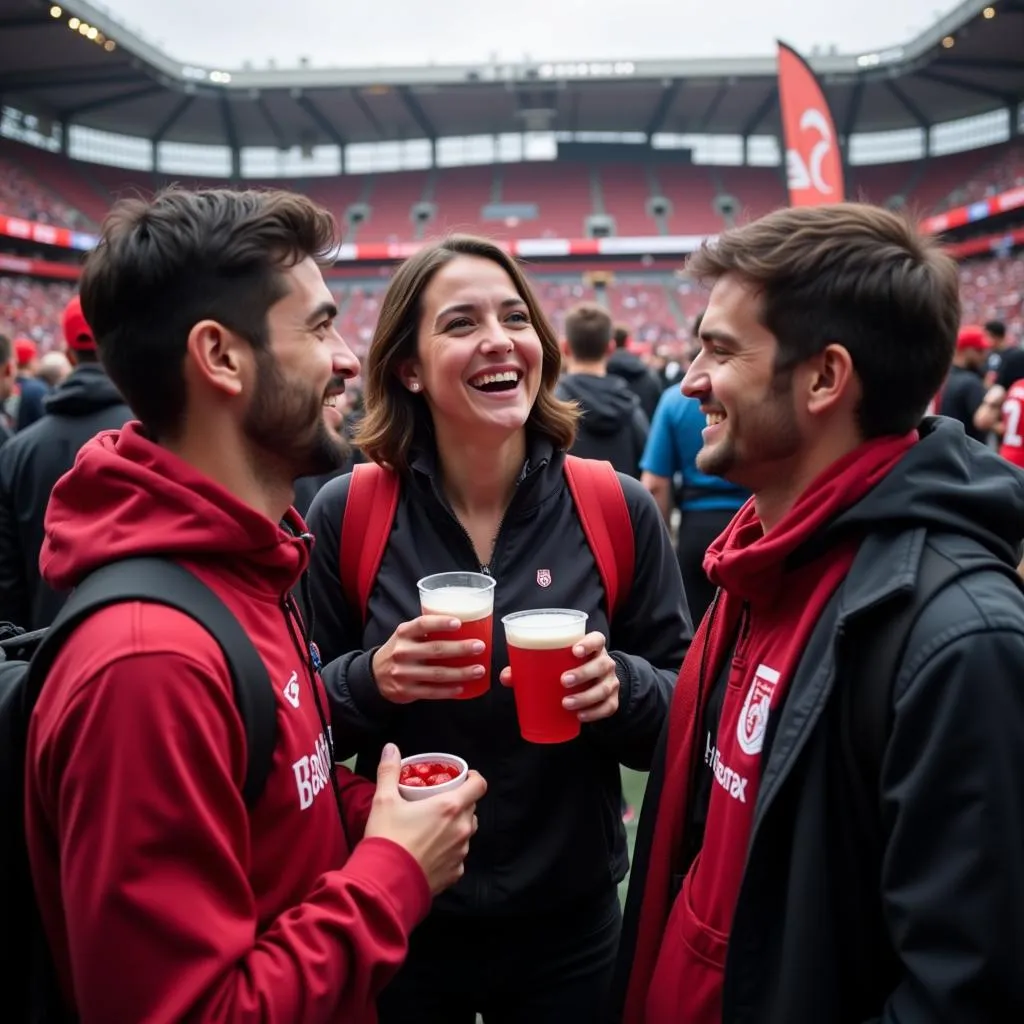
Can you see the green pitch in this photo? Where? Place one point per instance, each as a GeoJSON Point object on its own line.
{"type": "Point", "coordinates": [633, 785]}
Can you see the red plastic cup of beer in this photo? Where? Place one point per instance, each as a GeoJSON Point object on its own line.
{"type": "Point", "coordinates": [540, 647]}
{"type": "Point", "coordinates": [468, 597]}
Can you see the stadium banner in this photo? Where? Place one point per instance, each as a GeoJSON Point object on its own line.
{"type": "Point", "coordinates": [536, 248]}
{"type": "Point", "coordinates": [814, 165]}
{"type": "Point", "coordinates": [999, 244]}
{"type": "Point", "coordinates": [46, 234]}
{"type": "Point", "coordinates": [991, 206]}
{"type": "Point", "coordinates": [39, 268]}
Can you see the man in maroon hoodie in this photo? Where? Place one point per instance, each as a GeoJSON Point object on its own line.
{"type": "Point", "coordinates": [763, 890]}
{"type": "Point", "coordinates": [163, 897]}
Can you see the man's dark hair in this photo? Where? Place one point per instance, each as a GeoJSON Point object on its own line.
{"type": "Point", "coordinates": [6, 350]}
{"type": "Point", "coordinates": [588, 332]}
{"type": "Point", "coordinates": [162, 265]}
{"type": "Point", "coordinates": [857, 276]}
{"type": "Point", "coordinates": [620, 336]}
{"type": "Point", "coordinates": [996, 328]}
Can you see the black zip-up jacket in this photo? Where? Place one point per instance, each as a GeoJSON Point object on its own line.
{"type": "Point", "coordinates": [931, 928]}
{"type": "Point", "coordinates": [612, 427]}
{"type": "Point", "coordinates": [30, 464]}
{"type": "Point", "coordinates": [550, 825]}
{"type": "Point", "coordinates": [642, 381]}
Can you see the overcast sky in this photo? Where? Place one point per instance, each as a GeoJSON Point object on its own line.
{"type": "Point", "coordinates": [331, 33]}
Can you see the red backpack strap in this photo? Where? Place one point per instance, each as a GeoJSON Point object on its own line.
{"type": "Point", "coordinates": [604, 514]}
{"type": "Point", "coordinates": [365, 527]}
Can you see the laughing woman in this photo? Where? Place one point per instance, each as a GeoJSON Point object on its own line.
{"type": "Point", "coordinates": [460, 406]}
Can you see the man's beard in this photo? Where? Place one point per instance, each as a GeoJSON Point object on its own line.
{"type": "Point", "coordinates": [769, 432]}
{"type": "Point", "coordinates": [285, 422]}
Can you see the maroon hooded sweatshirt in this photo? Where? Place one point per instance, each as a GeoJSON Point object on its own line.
{"type": "Point", "coordinates": [164, 898]}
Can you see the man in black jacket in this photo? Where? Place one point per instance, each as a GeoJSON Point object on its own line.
{"type": "Point", "coordinates": [833, 828]}
{"type": "Point", "coordinates": [27, 405]}
{"type": "Point", "coordinates": [643, 382]}
{"type": "Point", "coordinates": [35, 459]}
{"type": "Point", "coordinates": [964, 391]}
{"type": "Point", "coordinates": [613, 426]}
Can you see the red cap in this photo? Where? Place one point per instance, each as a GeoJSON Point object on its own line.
{"type": "Point", "coordinates": [25, 351]}
{"type": "Point", "coordinates": [972, 337]}
{"type": "Point", "coordinates": [77, 333]}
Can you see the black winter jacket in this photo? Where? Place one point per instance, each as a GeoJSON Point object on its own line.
{"type": "Point", "coordinates": [642, 381]}
{"type": "Point", "coordinates": [550, 825]}
{"type": "Point", "coordinates": [612, 426]}
{"type": "Point", "coordinates": [30, 464]}
{"type": "Point", "coordinates": [932, 928]}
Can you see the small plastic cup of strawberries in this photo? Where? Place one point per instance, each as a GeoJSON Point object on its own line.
{"type": "Point", "coordinates": [422, 776]}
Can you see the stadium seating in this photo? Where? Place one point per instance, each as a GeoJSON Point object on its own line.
{"type": "Point", "coordinates": [47, 187]}
{"type": "Point", "coordinates": [338, 195]}
{"type": "Point", "coordinates": [33, 309]}
{"type": "Point", "coordinates": [1004, 171]}
{"type": "Point", "coordinates": [645, 307]}
{"type": "Point", "coordinates": [391, 198]}
{"type": "Point", "coordinates": [941, 177]}
{"type": "Point", "coordinates": [27, 192]}
{"type": "Point", "coordinates": [883, 184]}
{"type": "Point", "coordinates": [625, 190]}
{"type": "Point", "coordinates": [692, 193]}
{"type": "Point", "coordinates": [460, 194]}
{"type": "Point", "coordinates": [656, 305]}
{"type": "Point", "coordinates": [758, 189]}
{"type": "Point", "coordinates": [561, 193]}
{"type": "Point", "coordinates": [993, 289]}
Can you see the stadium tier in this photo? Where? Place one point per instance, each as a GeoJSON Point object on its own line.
{"type": "Point", "coordinates": [543, 199]}
{"type": "Point", "coordinates": [659, 307]}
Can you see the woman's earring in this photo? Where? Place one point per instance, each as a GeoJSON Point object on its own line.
{"type": "Point", "coordinates": [414, 386]}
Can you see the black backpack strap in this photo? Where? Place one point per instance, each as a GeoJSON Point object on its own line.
{"type": "Point", "coordinates": [160, 581]}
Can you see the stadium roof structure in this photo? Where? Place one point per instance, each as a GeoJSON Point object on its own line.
{"type": "Point", "coordinates": [74, 64]}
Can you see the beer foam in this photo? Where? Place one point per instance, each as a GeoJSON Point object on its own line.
{"type": "Point", "coordinates": [465, 603]}
{"type": "Point", "coordinates": [545, 630]}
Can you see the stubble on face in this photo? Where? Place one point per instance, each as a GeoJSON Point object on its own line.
{"type": "Point", "coordinates": [285, 422]}
{"type": "Point", "coordinates": [757, 433]}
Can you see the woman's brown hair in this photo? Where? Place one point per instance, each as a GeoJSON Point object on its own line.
{"type": "Point", "coordinates": [394, 415]}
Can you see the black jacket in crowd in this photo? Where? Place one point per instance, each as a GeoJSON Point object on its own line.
{"type": "Point", "coordinates": [932, 928]}
{"type": "Point", "coordinates": [612, 425]}
{"type": "Point", "coordinates": [31, 401]}
{"type": "Point", "coordinates": [643, 382]}
{"type": "Point", "coordinates": [551, 828]}
{"type": "Point", "coordinates": [962, 395]}
{"type": "Point", "coordinates": [30, 464]}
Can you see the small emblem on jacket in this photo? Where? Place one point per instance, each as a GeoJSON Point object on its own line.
{"type": "Point", "coordinates": [543, 577]}
{"type": "Point", "coordinates": [291, 690]}
{"type": "Point", "coordinates": [750, 729]}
